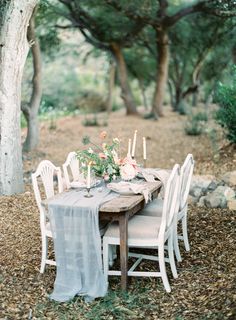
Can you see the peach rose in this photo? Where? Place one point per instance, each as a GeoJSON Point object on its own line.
{"type": "Point", "coordinates": [127, 172]}
{"type": "Point", "coordinates": [102, 155]}
{"type": "Point", "coordinates": [103, 134]}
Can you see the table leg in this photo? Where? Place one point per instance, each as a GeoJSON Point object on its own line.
{"type": "Point", "coordinates": [123, 225]}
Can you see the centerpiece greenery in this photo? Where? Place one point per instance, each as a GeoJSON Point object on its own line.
{"type": "Point", "coordinates": [104, 159]}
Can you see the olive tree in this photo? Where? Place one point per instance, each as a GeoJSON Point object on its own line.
{"type": "Point", "coordinates": [14, 20]}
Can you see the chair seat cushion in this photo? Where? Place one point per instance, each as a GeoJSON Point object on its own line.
{"type": "Point", "coordinates": [152, 209]}
{"type": "Point", "coordinates": [139, 228]}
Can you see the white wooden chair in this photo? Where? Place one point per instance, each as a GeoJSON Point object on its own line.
{"type": "Point", "coordinates": [71, 163]}
{"type": "Point", "coordinates": [45, 172]}
{"type": "Point", "coordinates": [149, 232]}
{"type": "Point", "coordinates": [155, 207]}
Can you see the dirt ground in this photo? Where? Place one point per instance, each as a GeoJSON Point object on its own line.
{"type": "Point", "coordinates": [206, 286]}
{"type": "Point", "coordinates": [167, 142]}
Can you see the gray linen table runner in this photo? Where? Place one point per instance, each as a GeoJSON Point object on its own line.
{"type": "Point", "coordinates": [77, 243]}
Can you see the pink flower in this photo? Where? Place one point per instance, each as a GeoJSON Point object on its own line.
{"type": "Point", "coordinates": [103, 134]}
{"type": "Point", "coordinates": [130, 161]}
{"type": "Point", "coordinates": [127, 172]}
{"type": "Point", "coordinates": [102, 155]}
{"type": "Point", "coordinates": [119, 162]}
{"type": "Point", "coordinates": [106, 177]}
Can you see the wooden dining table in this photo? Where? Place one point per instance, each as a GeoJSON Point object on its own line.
{"type": "Point", "coordinates": [121, 209]}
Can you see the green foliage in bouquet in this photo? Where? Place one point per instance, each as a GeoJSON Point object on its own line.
{"type": "Point", "coordinates": [103, 159]}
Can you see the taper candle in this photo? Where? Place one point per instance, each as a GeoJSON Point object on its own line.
{"type": "Point", "coordinates": [88, 176]}
{"type": "Point", "coordinates": [144, 149]}
{"type": "Point", "coordinates": [129, 148]}
{"type": "Point", "coordinates": [134, 143]}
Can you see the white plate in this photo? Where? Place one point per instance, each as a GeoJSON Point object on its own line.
{"type": "Point", "coordinates": [81, 184]}
{"type": "Point", "coordinates": [127, 192]}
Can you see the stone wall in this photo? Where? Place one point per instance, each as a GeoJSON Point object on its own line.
{"type": "Point", "coordinates": [207, 190]}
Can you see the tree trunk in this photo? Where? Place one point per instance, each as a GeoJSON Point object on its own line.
{"type": "Point", "coordinates": [142, 89]}
{"type": "Point", "coordinates": [195, 99]}
{"type": "Point", "coordinates": [162, 72]}
{"type": "Point", "coordinates": [126, 92]}
{"type": "Point", "coordinates": [111, 84]}
{"type": "Point", "coordinates": [172, 99]}
{"type": "Point", "coordinates": [234, 54]}
{"type": "Point", "coordinates": [14, 48]}
{"type": "Point", "coordinates": [31, 112]}
{"type": "Point", "coordinates": [178, 97]}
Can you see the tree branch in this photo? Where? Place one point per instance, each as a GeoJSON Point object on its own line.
{"type": "Point", "coordinates": [149, 47]}
{"type": "Point", "coordinates": [198, 7]}
{"type": "Point", "coordinates": [95, 43]}
{"type": "Point", "coordinates": [25, 108]}
{"type": "Point", "coordinates": [65, 27]}
{"type": "Point", "coordinates": [135, 16]}
{"type": "Point", "coordinates": [171, 20]}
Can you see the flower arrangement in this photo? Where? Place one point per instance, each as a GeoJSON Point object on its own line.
{"type": "Point", "coordinates": [105, 161]}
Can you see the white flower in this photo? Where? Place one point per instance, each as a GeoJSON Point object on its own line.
{"type": "Point", "coordinates": [127, 172]}
{"type": "Point", "coordinates": [104, 145]}
{"type": "Point", "coordinates": [90, 150]}
{"type": "Point", "coordinates": [116, 140]}
{"type": "Point", "coordinates": [115, 157]}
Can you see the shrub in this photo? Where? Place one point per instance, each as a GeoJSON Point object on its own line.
{"type": "Point", "coordinates": [226, 115]}
{"type": "Point", "coordinates": [200, 116]}
{"type": "Point", "coordinates": [193, 127]}
{"type": "Point", "coordinates": [182, 108]}
{"type": "Point", "coordinates": [93, 122]}
{"type": "Point", "coordinates": [91, 101]}
{"type": "Point", "coordinates": [48, 103]}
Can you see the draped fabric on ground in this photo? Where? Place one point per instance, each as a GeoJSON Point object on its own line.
{"type": "Point", "coordinates": [77, 243]}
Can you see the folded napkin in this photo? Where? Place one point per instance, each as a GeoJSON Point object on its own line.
{"type": "Point", "coordinates": [150, 174]}
{"type": "Point", "coordinates": [124, 187]}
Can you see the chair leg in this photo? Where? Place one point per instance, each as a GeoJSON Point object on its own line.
{"type": "Point", "coordinates": [44, 253]}
{"type": "Point", "coordinates": [176, 246]}
{"type": "Point", "coordinates": [171, 257]}
{"type": "Point", "coordinates": [112, 254]}
{"type": "Point", "coordinates": [105, 259]}
{"type": "Point", "coordinates": [163, 268]}
{"type": "Point", "coordinates": [185, 232]}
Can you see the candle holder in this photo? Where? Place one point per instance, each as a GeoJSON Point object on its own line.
{"type": "Point", "coordinates": [88, 194]}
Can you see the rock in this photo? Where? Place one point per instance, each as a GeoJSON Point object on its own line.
{"type": "Point", "coordinates": [192, 200]}
{"type": "Point", "coordinates": [196, 192]}
{"type": "Point", "coordinates": [230, 178]}
{"type": "Point", "coordinates": [231, 204]}
{"type": "Point", "coordinates": [215, 201]}
{"type": "Point", "coordinates": [229, 193]}
{"type": "Point", "coordinates": [202, 181]}
{"type": "Point", "coordinates": [213, 185]}
{"type": "Point", "coordinates": [201, 202]}
{"type": "Point", "coordinates": [219, 197]}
